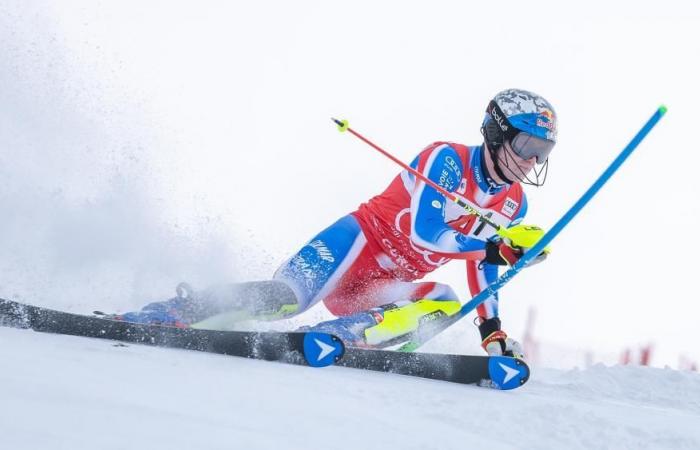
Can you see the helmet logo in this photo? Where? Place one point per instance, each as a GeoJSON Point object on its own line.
{"type": "Point", "coordinates": [545, 120]}
{"type": "Point", "coordinates": [498, 118]}
{"type": "Point", "coordinates": [543, 124]}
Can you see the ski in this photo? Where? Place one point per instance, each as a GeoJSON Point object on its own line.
{"type": "Point", "coordinates": [498, 372]}
{"type": "Point", "coordinates": [302, 348]}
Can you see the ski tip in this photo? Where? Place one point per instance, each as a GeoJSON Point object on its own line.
{"type": "Point", "coordinates": [508, 373]}
{"type": "Point", "coordinates": [322, 349]}
{"type": "Point", "coordinates": [662, 109]}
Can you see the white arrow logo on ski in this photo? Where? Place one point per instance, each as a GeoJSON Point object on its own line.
{"type": "Point", "coordinates": [510, 372]}
{"type": "Point", "coordinates": [325, 349]}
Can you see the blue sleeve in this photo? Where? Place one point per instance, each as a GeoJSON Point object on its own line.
{"type": "Point", "coordinates": [489, 308]}
{"type": "Point", "coordinates": [428, 227]}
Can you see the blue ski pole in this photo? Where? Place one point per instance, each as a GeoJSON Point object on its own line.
{"type": "Point", "coordinates": [430, 331]}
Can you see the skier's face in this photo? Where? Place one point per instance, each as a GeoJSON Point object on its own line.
{"type": "Point", "coordinates": [518, 166]}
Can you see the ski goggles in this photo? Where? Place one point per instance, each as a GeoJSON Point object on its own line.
{"type": "Point", "coordinates": [528, 146]}
{"type": "Point", "coordinates": [525, 145]}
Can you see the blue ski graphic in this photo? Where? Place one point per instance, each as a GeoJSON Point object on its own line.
{"type": "Point", "coordinates": [507, 373]}
{"type": "Point", "coordinates": [321, 349]}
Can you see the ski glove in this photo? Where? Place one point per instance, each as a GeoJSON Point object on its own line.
{"type": "Point", "coordinates": [508, 250]}
{"type": "Point", "coordinates": [496, 342]}
{"type": "Point", "coordinates": [498, 252]}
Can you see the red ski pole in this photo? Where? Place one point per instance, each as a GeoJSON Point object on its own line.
{"type": "Point", "coordinates": [343, 126]}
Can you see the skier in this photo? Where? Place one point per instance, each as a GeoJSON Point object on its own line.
{"type": "Point", "coordinates": [364, 267]}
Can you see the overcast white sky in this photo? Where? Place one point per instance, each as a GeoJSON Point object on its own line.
{"type": "Point", "coordinates": [143, 143]}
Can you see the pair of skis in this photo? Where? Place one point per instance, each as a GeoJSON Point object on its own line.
{"type": "Point", "coordinates": [301, 348]}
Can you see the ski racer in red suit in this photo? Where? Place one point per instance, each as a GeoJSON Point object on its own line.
{"type": "Point", "coordinates": [364, 267]}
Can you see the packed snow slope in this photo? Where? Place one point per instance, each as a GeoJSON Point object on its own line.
{"type": "Point", "coordinates": [64, 392]}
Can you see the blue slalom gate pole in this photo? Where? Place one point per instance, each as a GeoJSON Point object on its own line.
{"type": "Point", "coordinates": [431, 331]}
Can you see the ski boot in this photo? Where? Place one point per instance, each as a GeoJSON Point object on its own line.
{"type": "Point", "coordinates": [167, 313]}
{"type": "Point", "coordinates": [219, 307]}
{"type": "Point", "coordinates": [387, 324]}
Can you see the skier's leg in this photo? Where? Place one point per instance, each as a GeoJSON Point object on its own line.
{"type": "Point", "coordinates": [317, 269]}
{"type": "Point", "coordinates": [297, 285]}
{"type": "Point", "coordinates": [222, 306]}
{"type": "Point", "coordinates": [370, 314]}
{"type": "Point", "coordinates": [359, 293]}
{"type": "Point", "coordinates": [238, 301]}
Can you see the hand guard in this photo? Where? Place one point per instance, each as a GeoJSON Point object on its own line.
{"type": "Point", "coordinates": [508, 248]}
{"type": "Point", "coordinates": [498, 252]}
{"type": "Point", "coordinates": [496, 342]}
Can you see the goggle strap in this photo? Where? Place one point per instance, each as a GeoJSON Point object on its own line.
{"type": "Point", "coordinates": [503, 125]}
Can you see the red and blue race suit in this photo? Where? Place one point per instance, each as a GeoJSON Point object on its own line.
{"type": "Point", "coordinates": [372, 256]}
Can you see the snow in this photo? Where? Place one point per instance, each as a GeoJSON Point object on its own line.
{"type": "Point", "coordinates": [65, 392]}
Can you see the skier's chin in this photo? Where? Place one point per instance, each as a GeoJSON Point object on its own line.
{"type": "Point", "coordinates": [517, 173]}
{"type": "Point", "coordinates": [522, 176]}
{"type": "Point", "coordinates": [511, 176]}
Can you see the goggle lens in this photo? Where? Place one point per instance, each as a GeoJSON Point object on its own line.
{"type": "Point", "coordinates": [528, 146]}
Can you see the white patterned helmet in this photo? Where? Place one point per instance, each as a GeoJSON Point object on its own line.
{"type": "Point", "coordinates": [524, 119]}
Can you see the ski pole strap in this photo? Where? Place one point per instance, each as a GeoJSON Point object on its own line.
{"type": "Point", "coordinates": [418, 339]}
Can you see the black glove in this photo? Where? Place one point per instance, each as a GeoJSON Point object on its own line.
{"type": "Point", "coordinates": [500, 254]}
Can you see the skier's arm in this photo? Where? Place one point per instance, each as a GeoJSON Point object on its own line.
{"type": "Point", "coordinates": [428, 227]}
{"type": "Point", "coordinates": [479, 276]}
